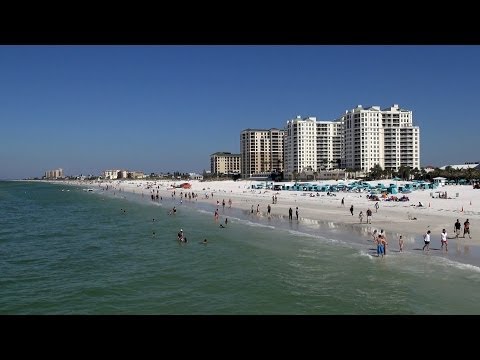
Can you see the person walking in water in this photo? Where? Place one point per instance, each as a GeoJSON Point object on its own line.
{"type": "Point", "coordinates": [290, 214]}
{"type": "Point", "coordinates": [351, 209]}
{"type": "Point", "coordinates": [369, 216]}
{"type": "Point", "coordinates": [426, 240]}
{"type": "Point", "coordinates": [443, 240]}
{"type": "Point", "coordinates": [384, 239]}
{"type": "Point", "coordinates": [296, 212]}
{"type": "Point", "coordinates": [380, 246]}
{"type": "Point", "coordinates": [400, 243]}
{"type": "Point", "coordinates": [466, 229]}
{"type": "Point", "coordinates": [383, 243]}
{"type": "Point", "coordinates": [456, 227]}
{"type": "Point", "coordinates": [360, 216]}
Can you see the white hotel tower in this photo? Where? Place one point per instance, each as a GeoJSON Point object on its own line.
{"type": "Point", "coordinates": [300, 145]}
{"type": "Point", "coordinates": [312, 145]}
{"type": "Point", "coordinates": [385, 137]}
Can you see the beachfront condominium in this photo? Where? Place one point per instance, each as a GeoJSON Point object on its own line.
{"type": "Point", "coordinates": [300, 146]}
{"type": "Point", "coordinates": [54, 174]}
{"type": "Point", "coordinates": [312, 145]}
{"type": "Point", "coordinates": [329, 145]}
{"type": "Point", "coordinates": [380, 137]}
{"type": "Point", "coordinates": [261, 152]}
{"type": "Point", "coordinates": [225, 163]}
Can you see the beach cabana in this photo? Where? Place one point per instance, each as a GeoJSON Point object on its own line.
{"type": "Point", "coordinates": [392, 189]}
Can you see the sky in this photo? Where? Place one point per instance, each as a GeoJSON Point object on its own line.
{"type": "Point", "coordinates": [165, 108]}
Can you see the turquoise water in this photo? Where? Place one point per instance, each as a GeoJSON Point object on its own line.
{"type": "Point", "coordinates": [78, 252]}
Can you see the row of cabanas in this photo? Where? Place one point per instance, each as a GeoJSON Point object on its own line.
{"type": "Point", "coordinates": [356, 186]}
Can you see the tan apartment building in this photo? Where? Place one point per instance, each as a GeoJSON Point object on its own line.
{"type": "Point", "coordinates": [225, 163]}
{"type": "Point", "coordinates": [261, 151]}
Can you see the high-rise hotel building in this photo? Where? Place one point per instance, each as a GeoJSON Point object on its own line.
{"type": "Point", "coordinates": [312, 145]}
{"type": "Point", "coordinates": [385, 137]}
{"type": "Point", "coordinates": [329, 145]}
{"type": "Point", "coordinates": [300, 145]}
{"type": "Point", "coordinates": [261, 151]}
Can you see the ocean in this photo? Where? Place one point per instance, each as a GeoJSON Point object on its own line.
{"type": "Point", "coordinates": [65, 250]}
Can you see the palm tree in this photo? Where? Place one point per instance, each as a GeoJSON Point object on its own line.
{"type": "Point", "coordinates": [295, 175]}
{"type": "Point", "coordinates": [376, 172]}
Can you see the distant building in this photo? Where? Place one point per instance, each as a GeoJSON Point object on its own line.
{"type": "Point", "coordinates": [466, 166]}
{"type": "Point", "coordinates": [54, 174]}
{"type": "Point", "coordinates": [111, 174]}
{"type": "Point", "coordinates": [195, 176]}
{"type": "Point", "coordinates": [123, 174]}
{"type": "Point", "coordinates": [136, 175]}
{"type": "Point", "coordinates": [225, 163]}
{"type": "Point", "coordinates": [429, 168]}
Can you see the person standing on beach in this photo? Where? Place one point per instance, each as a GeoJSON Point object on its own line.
{"type": "Point", "coordinates": [290, 212]}
{"type": "Point", "coordinates": [269, 208]}
{"type": "Point", "coordinates": [443, 240]}
{"type": "Point", "coordinates": [466, 229]}
{"type": "Point", "coordinates": [343, 201]}
{"type": "Point", "coordinates": [426, 240]}
{"type": "Point", "coordinates": [376, 206]}
{"type": "Point", "coordinates": [456, 227]}
{"type": "Point", "coordinates": [360, 216]}
{"type": "Point", "coordinates": [351, 209]}
{"type": "Point", "coordinates": [296, 212]}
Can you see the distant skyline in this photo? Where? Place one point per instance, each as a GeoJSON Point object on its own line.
{"type": "Point", "coordinates": [163, 108]}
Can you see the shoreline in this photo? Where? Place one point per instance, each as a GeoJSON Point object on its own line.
{"type": "Point", "coordinates": [391, 216]}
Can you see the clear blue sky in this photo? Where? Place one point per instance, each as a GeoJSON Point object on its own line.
{"type": "Point", "coordinates": [167, 108]}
